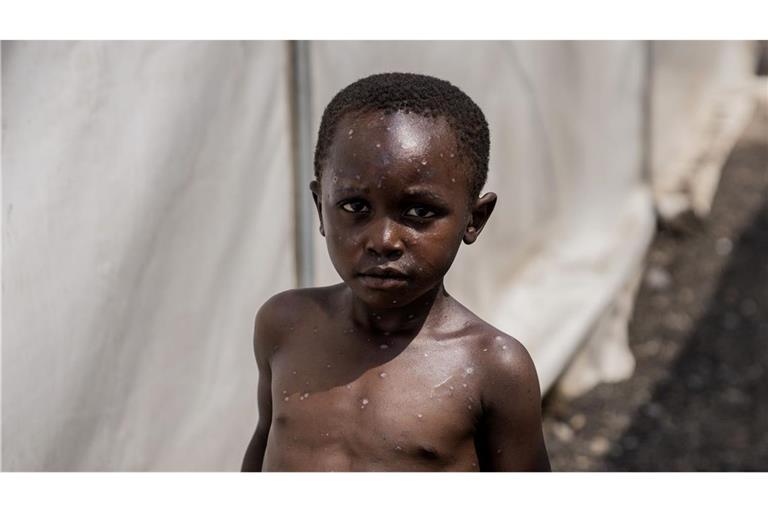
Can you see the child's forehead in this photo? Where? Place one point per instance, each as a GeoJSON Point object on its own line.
{"type": "Point", "coordinates": [381, 139]}
{"type": "Point", "coordinates": [411, 128]}
{"type": "Point", "coordinates": [396, 151]}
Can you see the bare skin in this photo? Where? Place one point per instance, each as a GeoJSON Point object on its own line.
{"type": "Point", "coordinates": [386, 371]}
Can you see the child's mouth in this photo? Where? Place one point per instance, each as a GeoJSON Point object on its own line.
{"type": "Point", "coordinates": [383, 281]}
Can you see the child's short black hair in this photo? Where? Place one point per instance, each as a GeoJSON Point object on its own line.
{"type": "Point", "coordinates": [420, 94]}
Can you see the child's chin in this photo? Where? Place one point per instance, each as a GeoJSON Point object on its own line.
{"type": "Point", "coordinates": [380, 298]}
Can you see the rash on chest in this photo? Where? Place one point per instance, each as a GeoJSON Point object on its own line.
{"type": "Point", "coordinates": [385, 411]}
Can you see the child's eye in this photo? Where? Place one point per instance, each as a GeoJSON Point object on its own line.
{"type": "Point", "coordinates": [354, 207]}
{"type": "Point", "coordinates": [422, 212]}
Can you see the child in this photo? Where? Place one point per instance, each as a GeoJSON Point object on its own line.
{"type": "Point", "coordinates": [387, 371]}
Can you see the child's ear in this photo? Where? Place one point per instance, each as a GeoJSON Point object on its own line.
{"type": "Point", "coordinates": [314, 186]}
{"type": "Point", "coordinates": [480, 212]}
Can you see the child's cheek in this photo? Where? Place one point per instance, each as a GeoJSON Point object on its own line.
{"type": "Point", "coordinates": [437, 251]}
{"type": "Point", "coordinates": [344, 242]}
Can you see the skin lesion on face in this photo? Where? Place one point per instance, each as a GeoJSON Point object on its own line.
{"type": "Point", "coordinates": [394, 194]}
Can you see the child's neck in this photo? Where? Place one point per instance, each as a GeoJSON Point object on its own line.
{"type": "Point", "coordinates": [405, 320]}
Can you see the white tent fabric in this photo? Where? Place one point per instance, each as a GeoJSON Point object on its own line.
{"type": "Point", "coordinates": [148, 211]}
{"type": "Point", "coordinates": [701, 102]}
{"type": "Point", "coordinates": [147, 202]}
{"type": "Point", "coordinates": [700, 98]}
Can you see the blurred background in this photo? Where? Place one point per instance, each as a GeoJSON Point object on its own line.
{"type": "Point", "coordinates": [154, 195]}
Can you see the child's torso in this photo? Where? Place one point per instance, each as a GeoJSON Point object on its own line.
{"type": "Point", "coordinates": [345, 401]}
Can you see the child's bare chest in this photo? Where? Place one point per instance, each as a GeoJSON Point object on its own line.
{"type": "Point", "coordinates": [384, 404]}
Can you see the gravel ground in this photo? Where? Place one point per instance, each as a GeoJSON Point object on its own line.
{"type": "Point", "coordinates": [698, 400]}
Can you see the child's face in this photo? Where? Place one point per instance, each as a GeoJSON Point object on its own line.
{"type": "Point", "coordinates": [395, 197]}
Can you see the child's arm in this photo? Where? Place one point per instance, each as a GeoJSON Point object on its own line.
{"type": "Point", "coordinates": [263, 339]}
{"type": "Point", "coordinates": [510, 436]}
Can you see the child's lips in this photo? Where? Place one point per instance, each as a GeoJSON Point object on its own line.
{"type": "Point", "coordinates": [383, 282]}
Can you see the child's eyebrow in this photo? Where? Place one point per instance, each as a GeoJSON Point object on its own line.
{"type": "Point", "coordinates": [420, 193]}
{"type": "Point", "coordinates": [352, 190]}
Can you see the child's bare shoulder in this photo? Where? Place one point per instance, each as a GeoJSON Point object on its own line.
{"type": "Point", "coordinates": [506, 358]}
{"type": "Point", "coordinates": [510, 386]}
{"type": "Point", "coordinates": [504, 364]}
{"type": "Point", "coordinates": [282, 312]}
{"type": "Point", "coordinates": [293, 304]}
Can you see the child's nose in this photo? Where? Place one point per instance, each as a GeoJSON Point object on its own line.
{"type": "Point", "coordinates": [383, 239]}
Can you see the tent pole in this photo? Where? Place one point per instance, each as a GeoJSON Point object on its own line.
{"type": "Point", "coordinates": [301, 127]}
